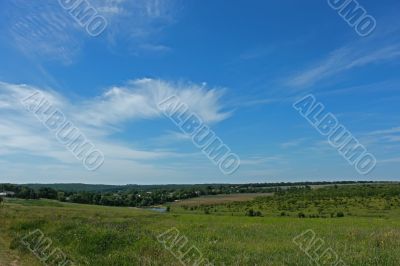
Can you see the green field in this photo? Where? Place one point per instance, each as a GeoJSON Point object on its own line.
{"type": "Point", "coordinates": [368, 234]}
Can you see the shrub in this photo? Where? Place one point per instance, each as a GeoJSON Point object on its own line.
{"type": "Point", "coordinates": [340, 214]}
{"type": "Point", "coordinates": [301, 215]}
{"type": "Point", "coordinates": [250, 212]}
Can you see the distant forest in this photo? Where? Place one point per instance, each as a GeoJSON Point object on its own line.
{"type": "Point", "coordinates": [145, 195]}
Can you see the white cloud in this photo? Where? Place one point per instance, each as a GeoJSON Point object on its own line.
{"type": "Point", "coordinates": [293, 143]}
{"type": "Point", "coordinates": [23, 136]}
{"type": "Point", "coordinates": [261, 160]}
{"type": "Point", "coordinates": [341, 60]}
{"type": "Point", "coordinates": [386, 131]}
{"type": "Point", "coordinates": [171, 137]}
{"type": "Point", "coordinates": [43, 31]}
{"type": "Point", "coordinates": [386, 139]}
{"type": "Point", "coordinates": [46, 31]}
{"type": "Point", "coordinates": [390, 160]}
{"type": "Point", "coordinates": [137, 24]}
{"type": "Point", "coordinates": [139, 99]}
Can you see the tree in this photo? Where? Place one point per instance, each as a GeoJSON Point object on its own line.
{"type": "Point", "coordinates": [47, 193]}
{"type": "Point", "coordinates": [27, 193]}
{"type": "Point", "coordinates": [61, 196]}
{"type": "Point", "coordinates": [1, 201]}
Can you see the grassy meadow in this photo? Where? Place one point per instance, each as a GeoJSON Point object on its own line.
{"type": "Point", "coordinates": [368, 234]}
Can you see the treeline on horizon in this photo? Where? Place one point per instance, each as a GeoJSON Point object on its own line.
{"type": "Point", "coordinates": [79, 187]}
{"type": "Point", "coordinates": [144, 195]}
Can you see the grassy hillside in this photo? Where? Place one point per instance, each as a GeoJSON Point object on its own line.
{"type": "Point", "coordinates": [96, 235]}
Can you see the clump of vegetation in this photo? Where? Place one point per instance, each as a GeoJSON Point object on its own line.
{"type": "Point", "coordinates": [252, 213]}
{"type": "Point", "coordinates": [340, 214]}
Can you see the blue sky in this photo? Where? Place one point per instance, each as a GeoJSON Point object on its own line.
{"type": "Point", "coordinates": [240, 65]}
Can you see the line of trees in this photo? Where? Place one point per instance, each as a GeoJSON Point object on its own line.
{"type": "Point", "coordinates": [129, 197]}
{"type": "Point", "coordinates": [140, 196]}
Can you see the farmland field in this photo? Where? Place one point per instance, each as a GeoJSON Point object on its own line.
{"type": "Point", "coordinates": [98, 235]}
{"type": "Point", "coordinates": [220, 199]}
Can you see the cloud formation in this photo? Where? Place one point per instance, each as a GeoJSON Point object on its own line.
{"type": "Point", "coordinates": [47, 32]}
{"type": "Point", "coordinates": [342, 60]}
{"type": "Point", "coordinates": [27, 139]}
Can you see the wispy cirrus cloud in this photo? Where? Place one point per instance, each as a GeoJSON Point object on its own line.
{"type": "Point", "coordinates": [293, 143]}
{"type": "Point", "coordinates": [341, 60]}
{"type": "Point", "coordinates": [138, 99]}
{"type": "Point", "coordinates": [394, 130]}
{"type": "Point", "coordinates": [380, 48]}
{"type": "Point", "coordinates": [262, 160]}
{"type": "Point", "coordinates": [43, 30]}
{"type": "Point", "coordinates": [384, 137]}
{"type": "Point", "coordinates": [46, 32]}
{"type": "Point", "coordinates": [25, 137]}
{"type": "Point", "coordinates": [138, 24]}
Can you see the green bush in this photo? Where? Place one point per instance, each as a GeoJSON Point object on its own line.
{"type": "Point", "coordinates": [250, 212]}
{"type": "Point", "coordinates": [340, 214]}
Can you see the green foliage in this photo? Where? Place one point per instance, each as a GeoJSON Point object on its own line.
{"type": "Point", "coordinates": [324, 202]}
{"type": "Point", "coordinates": [252, 213]}
{"type": "Point", "coordinates": [98, 235]}
{"type": "Point", "coordinates": [47, 193]}
{"type": "Point", "coordinates": [299, 197]}
{"type": "Point", "coordinates": [340, 214]}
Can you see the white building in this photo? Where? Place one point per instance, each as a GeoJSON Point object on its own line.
{"type": "Point", "coordinates": [6, 193]}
